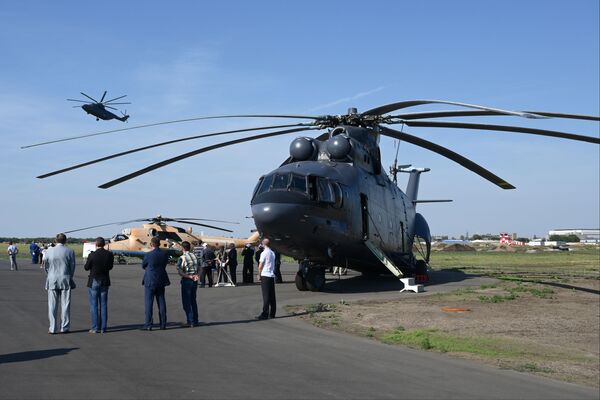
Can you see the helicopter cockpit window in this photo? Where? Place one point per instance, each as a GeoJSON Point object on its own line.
{"type": "Point", "coordinates": [298, 183]}
{"type": "Point", "coordinates": [325, 191]}
{"type": "Point", "coordinates": [280, 182]}
{"type": "Point", "coordinates": [264, 184]}
{"type": "Point", "coordinates": [119, 237]}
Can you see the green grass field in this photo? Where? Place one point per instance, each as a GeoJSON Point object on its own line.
{"type": "Point", "coordinates": [581, 262]}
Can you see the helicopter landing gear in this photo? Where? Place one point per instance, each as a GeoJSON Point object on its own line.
{"type": "Point", "coordinates": [310, 277]}
{"type": "Point", "coordinates": [121, 259]}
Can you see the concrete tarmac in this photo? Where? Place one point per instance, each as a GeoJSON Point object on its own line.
{"type": "Point", "coordinates": [232, 355]}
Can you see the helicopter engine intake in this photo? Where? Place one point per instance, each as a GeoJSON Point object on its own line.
{"type": "Point", "coordinates": [339, 147]}
{"type": "Point", "coordinates": [303, 149]}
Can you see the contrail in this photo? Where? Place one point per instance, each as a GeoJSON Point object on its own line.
{"type": "Point", "coordinates": [347, 99]}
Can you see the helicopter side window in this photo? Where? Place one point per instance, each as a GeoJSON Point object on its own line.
{"type": "Point", "coordinates": [280, 182]}
{"type": "Point", "coordinates": [169, 235]}
{"type": "Point", "coordinates": [298, 183]}
{"type": "Point", "coordinates": [337, 194]}
{"type": "Point", "coordinates": [312, 187]}
{"type": "Point", "coordinates": [325, 191]}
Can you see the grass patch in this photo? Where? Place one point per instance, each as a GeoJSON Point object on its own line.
{"type": "Point", "coordinates": [431, 339]}
{"type": "Point", "coordinates": [498, 298]}
{"type": "Point", "coordinates": [583, 262]}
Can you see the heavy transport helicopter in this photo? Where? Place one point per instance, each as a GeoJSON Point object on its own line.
{"type": "Point", "coordinates": [99, 108]}
{"type": "Point", "coordinates": [331, 202]}
{"type": "Point", "coordinates": [135, 241]}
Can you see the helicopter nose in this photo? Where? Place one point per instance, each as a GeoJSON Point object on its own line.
{"type": "Point", "coordinates": [273, 216]}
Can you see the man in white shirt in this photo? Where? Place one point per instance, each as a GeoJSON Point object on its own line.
{"type": "Point", "coordinates": [12, 254]}
{"type": "Point", "coordinates": [266, 274]}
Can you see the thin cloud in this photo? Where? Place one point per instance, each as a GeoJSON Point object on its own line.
{"type": "Point", "coordinates": [348, 99]}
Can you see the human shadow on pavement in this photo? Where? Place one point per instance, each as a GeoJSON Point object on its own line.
{"type": "Point", "coordinates": [34, 355]}
{"type": "Point", "coordinates": [388, 283]}
{"type": "Point", "coordinates": [250, 320]}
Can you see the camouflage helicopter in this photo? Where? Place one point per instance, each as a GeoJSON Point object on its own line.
{"type": "Point", "coordinates": [135, 241]}
{"type": "Point", "coordinates": [331, 201]}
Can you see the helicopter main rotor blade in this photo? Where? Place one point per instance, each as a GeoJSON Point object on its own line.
{"type": "Point", "coordinates": [101, 225]}
{"type": "Point", "coordinates": [89, 97]}
{"type": "Point", "coordinates": [412, 103]}
{"type": "Point", "coordinates": [104, 95]}
{"type": "Point", "coordinates": [474, 113]}
{"type": "Point", "coordinates": [199, 151]}
{"type": "Point", "coordinates": [170, 122]}
{"type": "Point", "coordinates": [204, 219]}
{"type": "Point", "coordinates": [116, 98]}
{"type": "Point", "coordinates": [112, 108]}
{"type": "Point", "coordinates": [502, 128]}
{"type": "Point", "coordinates": [112, 104]}
{"type": "Point", "coordinates": [85, 164]}
{"type": "Point", "coordinates": [207, 226]}
{"type": "Point", "coordinates": [436, 148]}
{"type": "Point", "coordinates": [81, 101]}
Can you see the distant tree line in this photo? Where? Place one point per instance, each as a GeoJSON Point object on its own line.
{"type": "Point", "coordinates": [564, 238]}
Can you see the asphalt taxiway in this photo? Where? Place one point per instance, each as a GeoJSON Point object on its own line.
{"type": "Point", "coordinates": [232, 355]}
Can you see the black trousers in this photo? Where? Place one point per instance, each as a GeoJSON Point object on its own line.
{"type": "Point", "coordinates": [233, 273]}
{"type": "Point", "coordinates": [206, 271]}
{"type": "Point", "coordinates": [268, 293]}
{"type": "Point", "coordinates": [277, 271]}
{"type": "Point", "coordinates": [248, 272]}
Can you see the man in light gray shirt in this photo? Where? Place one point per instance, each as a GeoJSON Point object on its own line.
{"type": "Point", "coordinates": [59, 265]}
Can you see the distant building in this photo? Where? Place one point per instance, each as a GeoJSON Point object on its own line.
{"type": "Point", "coordinates": [584, 235]}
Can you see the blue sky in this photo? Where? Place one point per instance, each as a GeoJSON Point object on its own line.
{"type": "Point", "coordinates": [182, 59]}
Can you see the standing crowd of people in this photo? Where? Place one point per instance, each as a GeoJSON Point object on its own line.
{"type": "Point", "coordinates": [195, 267]}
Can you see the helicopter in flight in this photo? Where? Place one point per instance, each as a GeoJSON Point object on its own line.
{"type": "Point", "coordinates": [331, 203]}
{"type": "Point", "coordinates": [99, 108]}
{"type": "Point", "coordinates": [135, 241]}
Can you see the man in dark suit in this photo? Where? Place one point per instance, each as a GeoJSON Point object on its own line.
{"type": "Point", "coordinates": [232, 263]}
{"type": "Point", "coordinates": [99, 263]}
{"type": "Point", "coordinates": [155, 280]}
{"type": "Point", "coordinates": [248, 270]}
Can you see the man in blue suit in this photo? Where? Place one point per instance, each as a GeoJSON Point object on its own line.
{"type": "Point", "coordinates": [155, 280]}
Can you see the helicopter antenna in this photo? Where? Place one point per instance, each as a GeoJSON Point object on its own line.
{"type": "Point", "coordinates": [394, 168]}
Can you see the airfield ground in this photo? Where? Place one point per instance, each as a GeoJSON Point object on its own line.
{"type": "Point", "coordinates": [541, 315]}
{"type": "Point", "coordinates": [233, 354]}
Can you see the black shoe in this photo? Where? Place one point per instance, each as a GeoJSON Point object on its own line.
{"type": "Point", "coordinates": [271, 316]}
{"type": "Point", "coordinates": [146, 328]}
{"type": "Point", "coordinates": [261, 317]}
{"type": "Point", "coordinates": [162, 328]}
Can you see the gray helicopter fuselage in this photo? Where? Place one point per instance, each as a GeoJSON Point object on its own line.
{"type": "Point", "coordinates": [100, 112]}
{"type": "Point", "coordinates": [322, 210]}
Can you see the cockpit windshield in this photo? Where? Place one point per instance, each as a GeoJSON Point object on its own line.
{"type": "Point", "coordinates": [316, 188]}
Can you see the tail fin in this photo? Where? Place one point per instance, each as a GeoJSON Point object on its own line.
{"type": "Point", "coordinates": [124, 117]}
{"type": "Point", "coordinates": [412, 188]}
